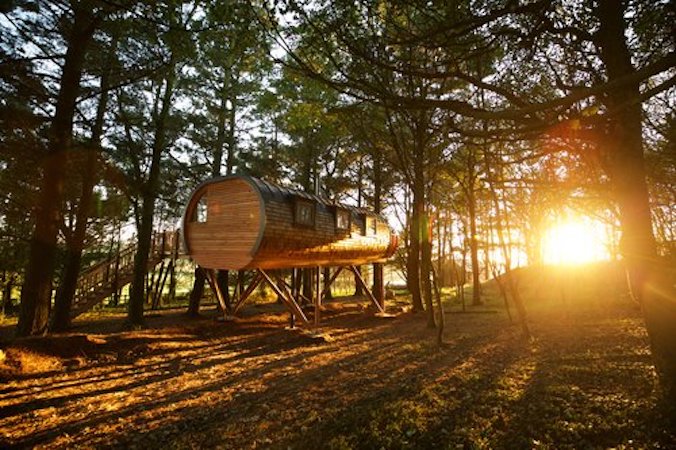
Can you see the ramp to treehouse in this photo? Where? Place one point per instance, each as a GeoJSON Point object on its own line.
{"type": "Point", "coordinates": [240, 222]}
{"type": "Point", "coordinates": [99, 281]}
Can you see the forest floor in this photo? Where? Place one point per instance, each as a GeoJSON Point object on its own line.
{"type": "Point", "coordinates": [584, 381]}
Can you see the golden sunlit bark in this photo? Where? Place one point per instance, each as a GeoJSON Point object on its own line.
{"type": "Point", "coordinates": [650, 282]}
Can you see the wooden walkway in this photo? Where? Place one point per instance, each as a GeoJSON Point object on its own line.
{"type": "Point", "coordinates": [103, 279]}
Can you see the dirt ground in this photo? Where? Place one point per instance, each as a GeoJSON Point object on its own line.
{"type": "Point", "coordinates": [585, 381]}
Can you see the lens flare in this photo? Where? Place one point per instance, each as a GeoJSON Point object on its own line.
{"type": "Point", "coordinates": [575, 242]}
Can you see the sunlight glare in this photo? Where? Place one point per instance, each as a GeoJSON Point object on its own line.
{"type": "Point", "coordinates": [575, 242]}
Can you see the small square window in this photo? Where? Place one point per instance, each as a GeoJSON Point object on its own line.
{"type": "Point", "coordinates": [342, 219]}
{"type": "Point", "coordinates": [369, 225]}
{"type": "Point", "coordinates": [304, 213]}
{"type": "Point", "coordinates": [199, 215]}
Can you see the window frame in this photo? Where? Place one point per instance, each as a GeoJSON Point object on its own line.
{"type": "Point", "coordinates": [300, 203]}
{"type": "Point", "coordinates": [370, 225]}
{"type": "Point", "coordinates": [200, 213]}
{"type": "Point", "coordinates": [340, 211]}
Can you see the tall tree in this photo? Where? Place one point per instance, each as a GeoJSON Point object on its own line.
{"type": "Point", "coordinates": [624, 144]}
{"type": "Point", "coordinates": [233, 56]}
{"type": "Point", "coordinates": [150, 129]}
{"type": "Point", "coordinates": [536, 45]}
{"type": "Point", "coordinates": [87, 166]}
{"type": "Point", "coordinates": [78, 26]}
{"type": "Point", "coordinates": [22, 141]}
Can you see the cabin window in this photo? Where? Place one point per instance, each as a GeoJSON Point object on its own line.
{"type": "Point", "coordinates": [304, 213]}
{"type": "Point", "coordinates": [369, 226]}
{"type": "Point", "coordinates": [342, 219]}
{"type": "Point", "coordinates": [200, 212]}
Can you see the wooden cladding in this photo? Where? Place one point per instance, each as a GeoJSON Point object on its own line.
{"type": "Point", "coordinates": [231, 228]}
{"type": "Point", "coordinates": [252, 224]}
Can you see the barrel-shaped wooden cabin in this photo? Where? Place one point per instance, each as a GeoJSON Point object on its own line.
{"type": "Point", "coordinates": [240, 222]}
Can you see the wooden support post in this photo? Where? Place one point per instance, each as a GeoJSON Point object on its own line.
{"type": "Point", "coordinates": [318, 295]}
{"type": "Point", "coordinates": [158, 292]}
{"type": "Point", "coordinates": [292, 302]}
{"type": "Point", "coordinates": [281, 290]}
{"type": "Point", "coordinates": [378, 284]}
{"type": "Point", "coordinates": [163, 244]}
{"type": "Point", "coordinates": [172, 281]}
{"type": "Point", "coordinates": [213, 283]}
{"type": "Point", "coordinates": [234, 298]}
{"type": "Point", "coordinates": [299, 293]}
{"type": "Point", "coordinates": [331, 280]}
{"type": "Point", "coordinates": [254, 283]}
{"type": "Point", "coordinates": [240, 283]}
{"type": "Point", "coordinates": [156, 287]}
{"type": "Point", "coordinates": [174, 259]}
{"type": "Point", "coordinates": [148, 286]}
{"type": "Point", "coordinates": [116, 275]}
{"type": "Point", "coordinates": [362, 283]}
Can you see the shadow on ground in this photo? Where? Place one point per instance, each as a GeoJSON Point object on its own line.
{"type": "Point", "coordinates": [585, 382]}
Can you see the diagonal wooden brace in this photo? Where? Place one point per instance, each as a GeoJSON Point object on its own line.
{"type": "Point", "coordinates": [249, 290]}
{"type": "Point", "coordinates": [213, 283]}
{"type": "Point", "coordinates": [285, 295]}
{"type": "Point", "coordinates": [333, 277]}
{"type": "Point", "coordinates": [288, 287]}
{"type": "Point", "coordinates": [369, 294]}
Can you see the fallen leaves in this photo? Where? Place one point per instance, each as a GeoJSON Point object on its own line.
{"type": "Point", "coordinates": [375, 384]}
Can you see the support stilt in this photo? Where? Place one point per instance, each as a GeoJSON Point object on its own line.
{"type": "Point", "coordinates": [298, 295]}
{"type": "Point", "coordinates": [318, 295]}
{"type": "Point", "coordinates": [279, 287]}
{"type": "Point", "coordinates": [247, 293]}
{"type": "Point", "coordinates": [368, 292]}
{"type": "Point", "coordinates": [331, 280]}
{"type": "Point", "coordinates": [213, 283]}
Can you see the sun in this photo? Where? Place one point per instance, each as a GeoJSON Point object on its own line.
{"type": "Point", "coordinates": [576, 241]}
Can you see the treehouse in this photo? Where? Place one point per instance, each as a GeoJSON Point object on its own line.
{"type": "Point", "coordinates": [240, 222]}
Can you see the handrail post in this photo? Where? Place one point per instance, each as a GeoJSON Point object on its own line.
{"type": "Point", "coordinates": [116, 273]}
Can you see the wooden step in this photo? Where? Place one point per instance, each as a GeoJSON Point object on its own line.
{"type": "Point", "coordinates": [87, 301]}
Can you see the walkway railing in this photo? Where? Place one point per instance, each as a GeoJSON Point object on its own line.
{"type": "Point", "coordinates": [102, 279]}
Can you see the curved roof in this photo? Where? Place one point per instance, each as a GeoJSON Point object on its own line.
{"type": "Point", "coordinates": [270, 191]}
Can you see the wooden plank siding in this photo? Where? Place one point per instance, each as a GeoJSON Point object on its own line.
{"type": "Point", "coordinates": [232, 227]}
{"type": "Point", "coordinates": [250, 225]}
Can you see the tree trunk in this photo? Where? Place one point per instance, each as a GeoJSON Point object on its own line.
{"type": "Point", "coordinates": [414, 271]}
{"type": "Point", "coordinates": [327, 276]}
{"type": "Point", "coordinates": [502, 224]}
{"type": "Point", "coordinates": [358, 291]}
{"type": "Point", "coordinates": [378, 284]}
{"type": "Point", "coordinates": [426, 269]}
{"type": "Point", "coordinates": [440, 308]}
{"type": "Point", "coordinates": [198, 283]}
{"type": "Point", "coordinates": [649, 281]}
{"type": "Point", "coordinates": [64, 295]}
{"type": "Point", "coordinates": [473, 246]}
{"type": "Point", "coordinates": [307, 286]}
{"type": "Point", "coordinates": [196, 293]}
{"type": "Point", "coordinates": [36, 292]}
{"type": "Point", "coordinates": [232, 116]}
{"type": "Point", "coordinates": [7, 293]}
{"type": "Point", "coordinates": [223, 281]}
{"type": "Point", "coordinates": [149, 194]}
